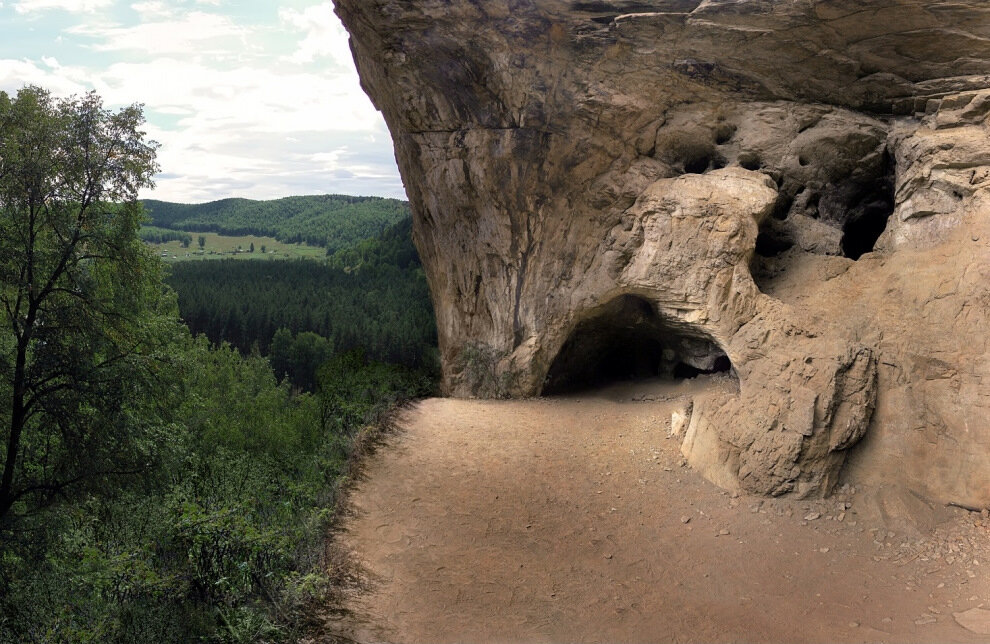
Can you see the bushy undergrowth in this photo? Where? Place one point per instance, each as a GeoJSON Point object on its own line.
{"type": "Point", "coordinates": [221, 538]}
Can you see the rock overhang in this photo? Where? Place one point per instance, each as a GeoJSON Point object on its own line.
{"type": "Point", "coordinates": [559, 155]}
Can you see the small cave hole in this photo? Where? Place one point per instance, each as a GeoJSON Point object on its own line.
{"type": "Point", "coordinates": [803, 160]}
{"type": "Point", "coordinates": [771, 242]}
{"type": "Point", "coordinates": [782, 207]}
{"type": "Point", "coordinates": [724, 133]}
{"type": "Point", "coordinates": [702, 162]}
{"type": "Point", "coordinates": [627, 341]}
{"type": "Point", "coordinates": [812, 205]}
{"type": "Point", "coordinates": [696, 165]}
{"type": "Point", "coordinates": [750, 161]}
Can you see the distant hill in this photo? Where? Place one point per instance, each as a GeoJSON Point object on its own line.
{"type": "Point", "coordinates": [332, 221]}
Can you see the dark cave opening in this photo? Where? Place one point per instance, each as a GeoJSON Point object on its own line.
{"type": "Point", "coordinates": [860, 208]}
{"type": "Point", "coordinates": [856, 209]}
{"type": "Point", "coordinates": [698, 164]}
{"type": "Point", "coordinates": [626, 340]}
{"type": "Point", "coordinates": [868, 216]}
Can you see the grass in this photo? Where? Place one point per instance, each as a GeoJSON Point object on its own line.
{"type": "Point", "coordinates": [224, 246]}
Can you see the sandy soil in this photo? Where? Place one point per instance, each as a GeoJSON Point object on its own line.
{"type": "Point", "coordinates": [575, 520]}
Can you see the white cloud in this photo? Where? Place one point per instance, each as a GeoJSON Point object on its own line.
{"type": "Point", "coordinates": [15, 74]}
{"type": "Point", "coordinates": [152, 8]}
{"type": "Point", "coordinates": [72, 6]}
{"type": "Point", "coordinates": [202, 33]}
{"type": "Point", "coordinates": [233, 125]}
{"type": "Point", "coordinates": [324, 36]}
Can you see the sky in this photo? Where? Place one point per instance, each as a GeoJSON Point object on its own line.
{"type": "Point", "coordinates": [256, 99]}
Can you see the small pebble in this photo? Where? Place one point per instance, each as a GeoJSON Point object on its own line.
{"type": "Point", "coordinates": [685, 519]}
{"type": "Point", "coordinates": [812, 516]}
{"type": "Point", "coordinates": [723, 532]}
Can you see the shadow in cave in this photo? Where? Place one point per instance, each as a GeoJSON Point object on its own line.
{"type": "Point", "coordinates": [625, 341]}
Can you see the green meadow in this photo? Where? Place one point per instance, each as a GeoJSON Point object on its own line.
{"type": "Point", "coordinates": [236, 247]}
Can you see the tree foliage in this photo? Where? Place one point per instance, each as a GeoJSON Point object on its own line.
{"type": "Point", "coordinates": [154, 235]}
{"type": "Point", "coordinates": [82, 302]}
{"type": "Point", "coordinates": [157, 487]}
{"type": "Point", "coordinates": [222, 540]}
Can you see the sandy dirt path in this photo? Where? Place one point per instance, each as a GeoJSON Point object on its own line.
{"type": "Point", "coordinates": [574, 520]}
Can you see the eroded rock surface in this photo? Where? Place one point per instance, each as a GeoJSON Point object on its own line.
{"type": "Point", "coordinates": [793, 189]}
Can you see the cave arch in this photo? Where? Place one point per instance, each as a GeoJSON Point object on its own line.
{"type": "Point", "coordinates": [626, 339]}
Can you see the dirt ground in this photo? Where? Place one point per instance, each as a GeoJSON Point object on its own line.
{"type": "Point", "coordinates": [574, 519]}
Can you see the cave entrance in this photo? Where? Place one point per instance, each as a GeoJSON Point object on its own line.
{"type": "Point", "coordinates": [626, 340]}
{"type": "Point", "coordinates": [868, 213]}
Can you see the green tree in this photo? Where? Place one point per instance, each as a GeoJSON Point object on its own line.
{"type": "Point", "coordinates": [252, 247]}
{"type": "Point", "coordinates": [202, 242]}
{"type": "Point", "coordinates": [81, 299]}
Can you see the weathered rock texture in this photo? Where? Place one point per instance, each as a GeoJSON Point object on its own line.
{"type": "Point", "coordinates": [795, 185]}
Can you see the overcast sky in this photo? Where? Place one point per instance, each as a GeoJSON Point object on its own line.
{"type": "Point", "coordinates": [249, 99]}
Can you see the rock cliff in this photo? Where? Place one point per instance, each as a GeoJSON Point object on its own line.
{"type": "Point", "coordinates": [791, 190]}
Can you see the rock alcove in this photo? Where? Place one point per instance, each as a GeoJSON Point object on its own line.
{"type": "Point", "coordinates": [558, 153]}
{"type": "Point", "coordinates": [625, 341]}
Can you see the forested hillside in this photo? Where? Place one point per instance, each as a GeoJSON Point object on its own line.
{"type": "Point", "coordinates": [333, 221]}
{"type": "Point", "coordinates": [372, 296]}
{"type": "Point", "coordinates": [156, 486]}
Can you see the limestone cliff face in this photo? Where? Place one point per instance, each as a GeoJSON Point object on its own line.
{"type": "Point", "coordinates": [795, 186]}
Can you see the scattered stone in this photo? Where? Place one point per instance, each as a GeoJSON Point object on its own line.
{"type": "Point", "coordinates": [925, 620]}
{"type": "Point", "coordinates": [812, 516]}
{"type": "Point", "coordinates": [723, 532]}
{"type": "Point", "coordinates": [976, 620]}
{"type": "Point", "coordinates": [823, 550]}
{"type": "Point", "coordinates": [685, 519]}
{"type": "Point", "coordinates": [853, 624]}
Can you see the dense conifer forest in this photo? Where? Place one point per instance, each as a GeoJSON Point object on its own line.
{"type": "Point", "coordinates": [154, 235]}
{"type": "Point", "coordinates": [371, 295]}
